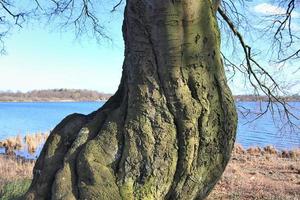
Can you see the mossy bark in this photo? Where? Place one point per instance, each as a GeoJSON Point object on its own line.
{"type": "Point", "coordinates": [168, 131]}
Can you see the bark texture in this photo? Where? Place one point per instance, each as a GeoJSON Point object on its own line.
{"type": "Point", "coordinates": [168, 131]}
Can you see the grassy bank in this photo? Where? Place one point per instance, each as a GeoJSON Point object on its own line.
{"type": "Point", "coordinates": [15, 176]}
{"type": "Point", "coordinates": [251, 174]}
{"type": "Point", "coordinates": [14, 169]}
{"type": "Point", "coordinates": [14, 190]}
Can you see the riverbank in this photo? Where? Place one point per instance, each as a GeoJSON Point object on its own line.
{"type": "Point", "coordinates": [260, 174]}
{"type": "Point", "coordinates": [251, 174]}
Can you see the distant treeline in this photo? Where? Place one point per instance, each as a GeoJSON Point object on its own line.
{"type": "Point", "coordinates": [90, 95]}
{"type": "Point", "coordinates": [53, 95]}
{"type": "Point", "coordinates": [265, 98]}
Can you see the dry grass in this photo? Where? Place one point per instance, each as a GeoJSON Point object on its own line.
{"type": "Point", "coordinates": [29, 143]}
{"type": "Point", "coordinates": [260, 174]}
{"type": "Point", "coordinates": [13, 169]}
{"type": "Point", "coordinates": [33, 141]}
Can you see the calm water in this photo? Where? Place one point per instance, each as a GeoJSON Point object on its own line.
{"type": "Point", "coordinates": [269, 129]}
{"type": "Point", "coordinates": [22, 118]}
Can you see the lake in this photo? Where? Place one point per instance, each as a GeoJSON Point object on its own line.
{"type": "Point", "coordinates": [22, 118]}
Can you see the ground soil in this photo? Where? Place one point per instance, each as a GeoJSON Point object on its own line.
{"type": "Point", "coordinates": [260, 174]}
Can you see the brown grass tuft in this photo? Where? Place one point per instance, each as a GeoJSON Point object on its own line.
{"type": "Point", "coordinates": [13, 168]}
{"type": "Point", "coordinates": [29, 143]}
{"type": "Point", "coordinates": [270, 150]}
{"type": "Point", "coordinates": [254, 151]}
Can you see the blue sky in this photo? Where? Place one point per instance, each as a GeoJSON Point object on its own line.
{"type": "Point", "coordinates": [39, 57]}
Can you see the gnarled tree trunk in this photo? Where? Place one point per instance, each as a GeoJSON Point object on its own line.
{"type": "Point", "coordinates": [168, 131]}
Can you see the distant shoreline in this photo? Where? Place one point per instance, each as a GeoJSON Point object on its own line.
{"type": "Point", "coordinates": [101, 100]}
{"type": "Point", "coordinates": [79, 95]}
{"type": "Point", "coordinates": [55, 95]}
{"type": "Point", "coordinates": [55, 101]}
{"type": "Point", "coordinates": [253, 98]}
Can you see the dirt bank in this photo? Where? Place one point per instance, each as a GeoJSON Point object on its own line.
{"type": "Point", "coordinates": [260, 174]}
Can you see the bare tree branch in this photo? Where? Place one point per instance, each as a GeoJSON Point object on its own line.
{"type": "Point", "coordinates": [284, 37]}
{"type": "Point", "coordinates": [116, 6]}
{"type": "Point", "coordinates": [258, 77]}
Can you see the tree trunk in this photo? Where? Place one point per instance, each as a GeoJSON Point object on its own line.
{"type": "Point", "coordinates": [168, 131]}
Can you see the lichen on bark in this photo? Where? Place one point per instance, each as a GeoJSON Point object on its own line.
{"type": "Point", "coordinates": [168, 131]}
